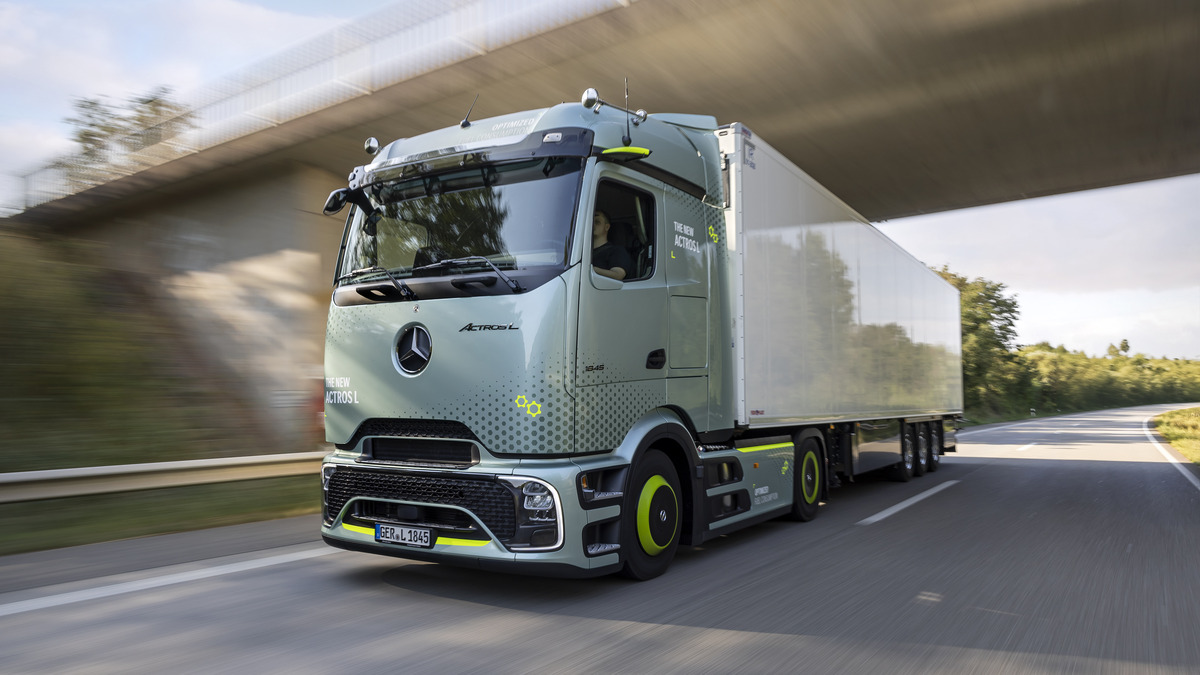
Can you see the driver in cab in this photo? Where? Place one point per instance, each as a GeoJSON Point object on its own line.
{"type": "Point", "coordinates": [608, 259]}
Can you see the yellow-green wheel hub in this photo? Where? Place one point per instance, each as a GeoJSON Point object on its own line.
{"type": "Point", "coordinates": [657, 515]}
{"type": "Point", "coordinates": [810, 474]}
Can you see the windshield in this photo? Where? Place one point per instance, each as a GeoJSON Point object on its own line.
{"type": "Point", "coordinates": [516, 215]}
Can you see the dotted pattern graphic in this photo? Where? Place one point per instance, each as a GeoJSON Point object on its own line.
{"type": "Point", "coordinates": [711, 221]}
{"type": "Point", "coordinates": [542, 425]}
{"type": "Point", "coordinates": [607, 411]}
{"type": "Point", "coordinates": [478, 379]}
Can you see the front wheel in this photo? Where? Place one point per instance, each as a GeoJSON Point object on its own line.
{"type": "Point", "coordinates": [650, 517]}
{"type": "Point", "coordinates": [806, 492]}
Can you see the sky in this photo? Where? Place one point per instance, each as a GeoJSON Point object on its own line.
{"type": "Point", "coordinates": [1088, 269]}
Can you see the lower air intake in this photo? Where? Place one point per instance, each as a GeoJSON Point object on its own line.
{"type": "Point", "coordinates": [491, 502]}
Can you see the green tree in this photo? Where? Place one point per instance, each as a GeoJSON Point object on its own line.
{"type": "Point", "coordinates": [1002, 380]}
{"type": "Point", "coordinates": [103, 130]}
{"type": "Point", "coordinates": [995, 381]}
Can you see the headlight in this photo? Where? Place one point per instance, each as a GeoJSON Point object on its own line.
{"type": "Point", "coordinates": [538, 498]}
{"type": "Point", "coordinates": [539, 523]}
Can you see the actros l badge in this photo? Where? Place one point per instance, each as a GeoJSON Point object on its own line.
{"type": "Point", "coordinates": [485, 326]}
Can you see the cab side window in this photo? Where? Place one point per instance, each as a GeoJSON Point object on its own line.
{"type": "Point", "coordinates": [623, 230]}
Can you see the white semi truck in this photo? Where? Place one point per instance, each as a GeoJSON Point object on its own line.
{"type": "Point", "coordinates": [498, 399]}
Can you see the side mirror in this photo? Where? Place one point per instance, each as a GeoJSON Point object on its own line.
{"type": "Point", "coordinates": [336, 201]}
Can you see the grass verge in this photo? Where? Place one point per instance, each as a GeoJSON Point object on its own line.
{"type": "Point", "coordinates": [70, 521]}
{"type": "Point", "coordinates": [1181, 428]}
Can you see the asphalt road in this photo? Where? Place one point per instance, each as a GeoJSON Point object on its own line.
{"type": "Point", "coordinates": [1060, 545]}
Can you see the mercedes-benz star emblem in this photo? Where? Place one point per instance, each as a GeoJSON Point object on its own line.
{"type": "Point", "coordinates": [414, 349]}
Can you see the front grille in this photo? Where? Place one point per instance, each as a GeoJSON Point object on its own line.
{"type": "Point", "coordinates": [409, 429]}
{"type": "Point", "coordinates": [492, 503]}
{"type": "Point", "coordinates": [441, 517]}
{"type": "Point", "coordinates": [421, 451]}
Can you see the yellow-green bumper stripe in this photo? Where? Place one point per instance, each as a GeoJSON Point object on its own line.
{"type": "Point", "coordinates": [442, 541]}
{"type": "Point", "coordinates": [447, 541]}
{"type": "Point", "coordinates": [760, 448]}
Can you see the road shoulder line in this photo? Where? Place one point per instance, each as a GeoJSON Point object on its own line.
{"type": "Point", "coordinates": [1170, 458]}
{"type": "Point", "coordinates": [110, 590]}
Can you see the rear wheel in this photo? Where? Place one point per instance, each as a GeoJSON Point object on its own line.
{"type": "Point", "coordinates": [650, 517]}
{"type": "Point", "coordinates": [935, 445]}
{"type": "Point", "coordinates": [807, 481]}
{"type": "Point", "coordinates": [903, 471]}
{"type": "Point", "coordinates": [921, 461]}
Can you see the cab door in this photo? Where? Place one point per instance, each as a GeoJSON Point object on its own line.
{"type": "Point", "coordinates": [622, 345]}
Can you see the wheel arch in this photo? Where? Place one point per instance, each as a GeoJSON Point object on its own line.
{"type": "Point", "coordinates": [672, 437]}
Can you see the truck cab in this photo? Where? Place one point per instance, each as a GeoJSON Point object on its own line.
{"type": "Point", "coordinates": [482, 375]}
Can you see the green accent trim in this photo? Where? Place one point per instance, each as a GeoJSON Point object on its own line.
{"type": "Point", "coordinates": [626, 152]}
{"type": "Point", "coordinates": [773, 446]}
{"type": "Point", "coordinates": [442, 541]}
{"type": "Point", "coordinates": [643, 515]}
{"type": "Point", "coordinates": [447, 541]}
{"type": "Point", "coordinates": [811, 499]}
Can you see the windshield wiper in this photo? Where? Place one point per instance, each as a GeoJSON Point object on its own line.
{"type": "Point", "coordinates": [466, 260]}
{"type": "Point", "coordinates": [405, 291]}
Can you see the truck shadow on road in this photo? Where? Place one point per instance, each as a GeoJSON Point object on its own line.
{"type": "Point", "coordinates": [1036, 556]}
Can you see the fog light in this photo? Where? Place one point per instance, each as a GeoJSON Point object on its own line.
{"type": "Point", "coordinates": [543, 537]}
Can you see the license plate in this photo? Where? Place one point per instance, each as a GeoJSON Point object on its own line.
{"type": "Point", "coordinates": [409, 536]}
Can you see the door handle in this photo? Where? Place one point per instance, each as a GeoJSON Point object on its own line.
{"type": "Point", "coordinates": [656, 359]}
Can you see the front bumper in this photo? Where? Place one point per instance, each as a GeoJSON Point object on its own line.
{"type": "Point", "coordinates": [477, 517]}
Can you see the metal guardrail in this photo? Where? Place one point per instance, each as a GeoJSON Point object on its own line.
{"type": "Point", "coordinates": [25, 486]}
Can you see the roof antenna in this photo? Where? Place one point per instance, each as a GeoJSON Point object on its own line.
{"type": "Point", "coordinates": [465, 123]}
{"type": "Point", "coordinates": [626, 139]}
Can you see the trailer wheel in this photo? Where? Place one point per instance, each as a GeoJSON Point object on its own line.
{"type": "Point", "coordinates": [807, 481]}
{"type": "Point", "coordinates": [650, 517]}
{"type": "Point", "coordinates": [935, 445]}
{"type": "Point", "coordinates": [921, 460]}
{"type": "Point", "coordinates": [903, 471]}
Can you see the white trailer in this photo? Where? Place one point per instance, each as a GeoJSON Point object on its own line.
{"type": "Point", "coordinates": [834, 322]}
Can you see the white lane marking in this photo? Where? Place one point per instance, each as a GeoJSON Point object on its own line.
{"type": "Point", "coordinates": [157, 582]}
{"type": "Point", "coordinates": [1170, 458]}
{"type": "Point", "coordinates": [976, 430]}
{"type": "Point", "coordinates": [1026, 447]}
{"type": "Point", "coordinates": [905, 504]}
{"type": "Point", "coordinates": [968, 432]}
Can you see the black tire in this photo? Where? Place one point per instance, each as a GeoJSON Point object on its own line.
{"type": "Point", "coordinates": [808, 478]}
{"type": "Point", "coordinates": [903, 471]}
{"type": "Point", "coordinates": [921, 460]}
{"type": "Point", "coordinates": [650, 517]}
{"type": "Point", "coordinates": [935, 445]}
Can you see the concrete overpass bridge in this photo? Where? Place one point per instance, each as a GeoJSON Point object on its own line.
{"type": "Point", "coordinates": [900, 108]}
